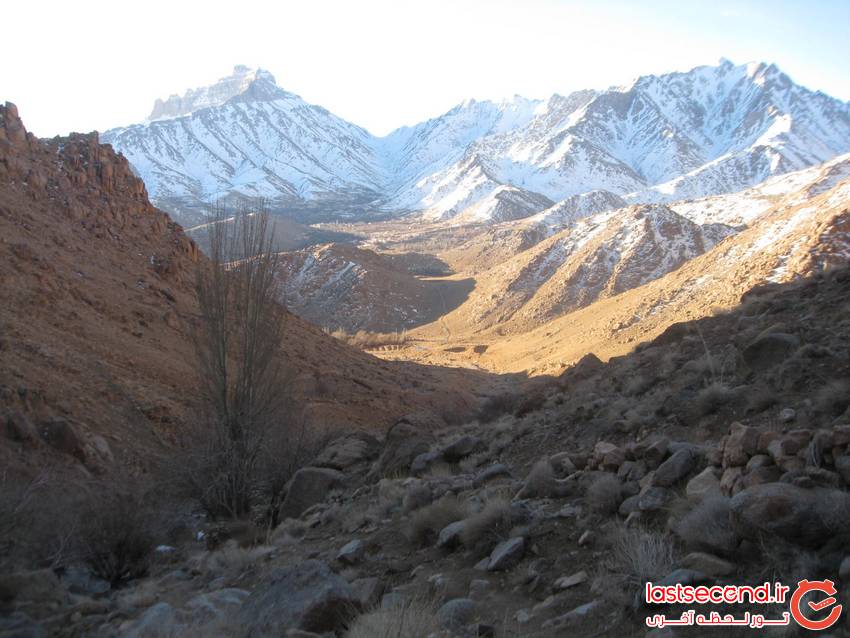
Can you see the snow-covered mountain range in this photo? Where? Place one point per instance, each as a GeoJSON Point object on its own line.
{"type": "Point", "coordinates": [708, 131]}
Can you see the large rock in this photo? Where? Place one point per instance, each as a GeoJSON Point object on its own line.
{"type": "Point", "coordinates": [348, 451]}
{"type": "Point", "coordinates": [808, 517]}
{"type": "Point", "coordinates": [309, 485]}
{"type": "Point", "coordinates": [769, 350]}
{"type": "Point", "coordinates": [306, 596]}
{"type": "Point", "coordinates": [506, 554]}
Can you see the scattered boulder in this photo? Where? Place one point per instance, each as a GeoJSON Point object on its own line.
{"type": "Point", "coordinates": [565, 582]}
{"type": "Point", "coordinates": [506, 554]}
{"type": "Point", "coordinates": [309, 486]}
{"type": "Point", "coordinates": [306, 596]}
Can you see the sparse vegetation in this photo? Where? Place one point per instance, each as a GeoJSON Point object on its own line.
{"type": "Point", "coordinates": [238, 340]}
{"type": "Point", "coordinates": [116, 532]}
{"type": "Point", "coordinates": [713, 397]}
{"type": "Point", "coordinates": [641, 555]}
{"type": "Point", "coordinates": [604, 494]}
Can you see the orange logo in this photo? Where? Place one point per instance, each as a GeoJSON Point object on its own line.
{"type": "Point", "coordinates": [804, 587]}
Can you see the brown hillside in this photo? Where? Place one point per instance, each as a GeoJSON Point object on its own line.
{"type": "Point", "coordinates": [97, 290]}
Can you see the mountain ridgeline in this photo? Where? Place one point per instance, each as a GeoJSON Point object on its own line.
{"type": "Point", "coordinates": [662, 138]}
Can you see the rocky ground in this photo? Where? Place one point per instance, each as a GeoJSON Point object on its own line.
{"type": "Point", "coordinates": [717, 453]}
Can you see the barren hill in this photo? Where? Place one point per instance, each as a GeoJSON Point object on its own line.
{"type": "Point", "coordinates": [97, 289]}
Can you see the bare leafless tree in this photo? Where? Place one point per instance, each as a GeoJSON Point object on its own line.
{"type": "Point", "coordinates": [238, 341]}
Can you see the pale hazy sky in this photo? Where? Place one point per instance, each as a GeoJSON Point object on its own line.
{"type": "Point", "coordinates": [84, 65]}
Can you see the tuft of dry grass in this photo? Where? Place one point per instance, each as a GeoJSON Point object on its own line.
{"type": "Point", "coordinates": [604, 495]}
{"type": "Point", "coordinates": [427, 522]}
{"type": "Point", "coordinates": [414, 619]}
{"type": "Point", "coordinates": [641, 555]}
{"type": "Point", "coordinates": [713, 397]}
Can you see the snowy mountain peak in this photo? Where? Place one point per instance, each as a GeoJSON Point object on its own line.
{"type": "Point", "coordinates": [681, 135]}
{"type": "Point", "coordinates": [244, 84]}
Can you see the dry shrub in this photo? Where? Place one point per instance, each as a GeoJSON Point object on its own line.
{"type": "Point", "coordinates": [604, 495]}
{"type": "Point", "coordinates": [485, 529]}
{"type": "Point", "coordinates": [426, 523]}
{"type": "Point", "coordinates": [707, 526]}
{"type": "Point", "coordinates": [116, 532]}
{"type": "Point", "coordinates": [833, 398]}
{"type": "Point", "coordinates": [641, 555]}
{"type": "Point", "coordinates": [413, 619]}
{"type": "Point", "coordinates": [713, 397]}
{"type": "Point", "coordinates": [638, 384]}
